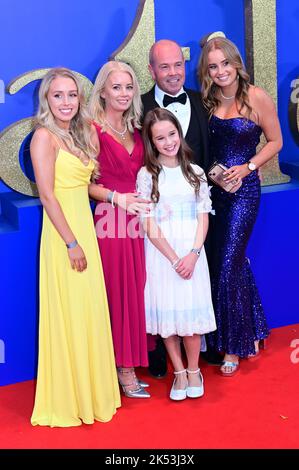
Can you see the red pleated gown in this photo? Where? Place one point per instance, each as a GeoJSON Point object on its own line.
{"type": "Point", "coordinates": [121, 244]}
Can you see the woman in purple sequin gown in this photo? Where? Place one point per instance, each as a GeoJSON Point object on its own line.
{"type": "Point", "coordinates": [239, 113]}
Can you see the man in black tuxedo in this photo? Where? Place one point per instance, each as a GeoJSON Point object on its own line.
{"type": "Point", "coordinates": [167, 68]}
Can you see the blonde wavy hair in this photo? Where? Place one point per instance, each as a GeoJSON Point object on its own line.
{"type": "Point", "coordinates": [78, 137]}
{"type": "Point", "coordinates": [97, 103]}
{"type": "Point", "coordinates": [209, 89]}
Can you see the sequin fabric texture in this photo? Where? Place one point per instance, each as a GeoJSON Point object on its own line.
{"type": "Point", "coordinates": [239, 314]}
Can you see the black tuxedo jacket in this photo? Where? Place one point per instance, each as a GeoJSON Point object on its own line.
{"type": "Point", "coordinates": [197, 134]}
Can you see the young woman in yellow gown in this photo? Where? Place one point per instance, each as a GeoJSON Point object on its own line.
{"type": "Point", "coordinates": [77, 380]}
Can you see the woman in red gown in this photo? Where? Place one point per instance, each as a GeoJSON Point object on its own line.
{"type": "Point", "coordinates": [116, 108]}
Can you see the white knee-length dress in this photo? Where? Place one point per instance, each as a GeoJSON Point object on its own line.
{"type": "Point", "coordinates": [175, 306]}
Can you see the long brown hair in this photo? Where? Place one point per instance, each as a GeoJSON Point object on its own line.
{"type": "Point", "coordinates": [151, 154]}
{"type": "Point", "coordinates": [209, 89]}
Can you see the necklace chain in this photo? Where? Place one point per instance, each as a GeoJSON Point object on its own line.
{"type": "Point", "coordinates": [122, 134]}
{"type": "Point", "coordinates": [227, 97]}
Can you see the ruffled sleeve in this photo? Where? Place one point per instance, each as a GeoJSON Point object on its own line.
{"type": "Point", "coordinates": [144, 186]}
{"type": "Point", "coordinates": [204, 202]}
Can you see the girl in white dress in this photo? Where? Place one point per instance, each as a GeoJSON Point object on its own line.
{"type": "Point", "coordinates": [177, 294]}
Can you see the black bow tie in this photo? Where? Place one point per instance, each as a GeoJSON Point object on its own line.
{"type": "Point", "coordinates": [182, 98]}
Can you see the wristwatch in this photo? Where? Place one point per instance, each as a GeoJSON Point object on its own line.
{"type": "Point", "coordinates": [251, 166]}
{"type": "Point", "coordinates": [72, 244]}
{"type": "Point", "coordinates": [196, 251]}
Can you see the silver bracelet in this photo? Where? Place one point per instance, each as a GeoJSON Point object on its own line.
{"type": "Point", "coordinates": [175, 263]}
{"type": "Point", "coordinates": [109, 196]}
{"type": "Point", "coordinates": [112, 199]}
{"type": "Point", "coordinates": [72, 244]}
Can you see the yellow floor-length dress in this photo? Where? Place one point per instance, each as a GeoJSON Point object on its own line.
{"type": "Point", "coordinates": [77, 380]}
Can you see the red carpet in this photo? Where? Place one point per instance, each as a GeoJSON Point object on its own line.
{"type": "Point", "coordinates": [257, 408]}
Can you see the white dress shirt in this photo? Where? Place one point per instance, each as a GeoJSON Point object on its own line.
{"type": "Point", "coordinates": [181, 111]}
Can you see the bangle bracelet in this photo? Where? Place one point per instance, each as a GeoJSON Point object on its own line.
{"type": "Point", "coordinates": [112, 199]}
{"type": "Point", "coordinates": [175, 263]}
{"type": "Point", "coordinates": [109, 196]}
{"type": "Point", "coordinates": [72, 244]}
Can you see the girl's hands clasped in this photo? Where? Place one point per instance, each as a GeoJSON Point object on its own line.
{"type": "Point", "coordinates": [185, 266]}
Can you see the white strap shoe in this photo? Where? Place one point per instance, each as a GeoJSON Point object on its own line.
{"type": "Point", "coordinates": [178, 394]}
{"type": "Point", "coordinates": [195, 392]}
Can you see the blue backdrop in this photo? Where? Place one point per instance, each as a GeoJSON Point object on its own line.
{"type": "Point", "coordinates": [82, 36]}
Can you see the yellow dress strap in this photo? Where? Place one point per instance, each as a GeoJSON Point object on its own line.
{"type": "Point", "coordinates": [56, 139]}
{"type": "Point", "coordinates": [58, 142]}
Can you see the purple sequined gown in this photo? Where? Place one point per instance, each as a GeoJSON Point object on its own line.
{"type": "Point", "coordinates": [239, 314]}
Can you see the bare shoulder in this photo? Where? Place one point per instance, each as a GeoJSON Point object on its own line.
{"type": "Point", "coordinates": [258, 97]}
{"type": "Point", "coordinates": [42, 143]}
{"type": "Point", "coordinates": [42, 137]}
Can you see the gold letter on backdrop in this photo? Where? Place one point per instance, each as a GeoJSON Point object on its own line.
{"type": "Point", "coordinates": [11, 172]}
{"type": "Point", "coordinates": [260, 19]}
{"type": "Point", "coordinates": [135, 48]}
